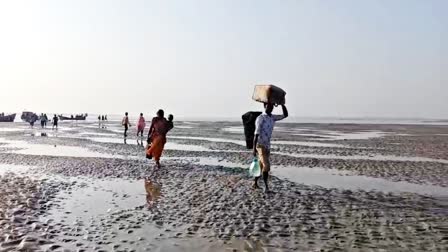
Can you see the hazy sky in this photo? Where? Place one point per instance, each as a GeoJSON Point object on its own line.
{"type": "Point", "coordinates": [202, 58]}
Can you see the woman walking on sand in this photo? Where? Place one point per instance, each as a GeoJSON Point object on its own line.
{"type": "Point", "coordinates": [157, 136]}
{"type": "Point", "coordinates": [126, 124]}
{"type": "Point", "coordinates": [141, 124]}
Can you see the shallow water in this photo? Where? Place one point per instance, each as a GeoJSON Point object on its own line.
{"type": "Point", "coordinates": [310, 144]}
{"type": "Point", "coordinates": [100, 197]}
{"type": "Point", "coordinates": [96, 134]}
{"type": "Point", "coordinates": [168, 145]}
{"type": "Point", "coordinates": [10, 129]}
{"type": "Point", "coordinates": [210, 139]}
{"type": "Point", "coordinates": [361, 157]}
{"type": "Point", "coordinates": [234, 130]}
{"type": "Point", "coordinates": [53, 150]}
{"type": "Point", "coordinates": [337, 179]}
{"type": "Point", "coordinates": [243, 143]}
{"type": "Point", "coordinates": [311, 135]}
{"type": "Point", "coordinates": [330, 178]}
{"type": "Point", "coordinates": [184, 127]}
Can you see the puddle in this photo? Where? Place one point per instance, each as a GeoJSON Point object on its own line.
{"type": "Point", "coordinates": [310, 144]}
{"type": "Point", "coordinates": [97, 134]}
{"type": "Point", "coordinates": [330, 178]}
{"type": "Point", "coordinates": [16, 169]}
{"type": "Point", "coordinates": [53, 150]}
{"type": "Point", "coordinates": [210, 139]}
{"type": "Point", "coordinates": [184, 147]}
{"type": "Point", "coordinates": [10, 129]}
{"type": "Point", "coordinates": [107, 210]}
{"type": "Point", "coordinates": [107, 140]}
{"type": "Point", "coordinates": [168, 145]}
{"type": "Point", "coordinates": [183, 127]}
{"type": "Point", "coordinates": [311, 135]}
{"type": "Point", "coordinates": [338, 179]}
{"type": "Point", "coordinates": [190, 123]}
{"type": "Point", "coordinates": [234, 130]}
{"type": "Point", "coordinates": [364, 135]}
{"type": "Point", "coordinates": [207, 161]}
{"type": "Point", "coordinates": [86, 207]}
{"type": "Point", "coordinates": [336, 135]}
{"type": "Point", "coordinates": [99, 197]}
{"type": "Point", "coordinates": [361, 157]}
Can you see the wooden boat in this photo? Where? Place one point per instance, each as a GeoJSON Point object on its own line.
{"type": "Point", "coordinates": [73, 118]}
{"type": "Point", "coordinates": [29, 116]}
{"type": "Point", "coordinates": [7, 118]}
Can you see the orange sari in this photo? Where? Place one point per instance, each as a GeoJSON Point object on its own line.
{"type": "Point", "coordinates": [157, 145]}
{"type": "Point", "coordinates": [158, 138]}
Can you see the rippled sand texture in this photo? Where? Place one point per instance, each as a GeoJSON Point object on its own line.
{"type": "Point", "coordinates": [335, 187]}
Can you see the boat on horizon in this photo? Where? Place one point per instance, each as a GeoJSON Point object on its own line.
{"type": "Point", "coordinates": [81, 117]}
{"type": "Point", "coordinates": [7, 118]}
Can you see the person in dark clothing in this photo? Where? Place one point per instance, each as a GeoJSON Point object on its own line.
{"type": "Point", "coordinates": [126, 124]}
{"type": "Point", "coordinates": [42, 120]}
{"type": "Point", "coordinates": [170, 121]}
{"type": "Point", "coordinates": [102, 121]}
{"type": "Point", "coordinates": [33, 119]}
{"type": "Point", "coordinates": [46, 119]}
{"type": "Point", "coordinates": [55, 121]}
{"type": "Point", "coordinates": [157, 136]}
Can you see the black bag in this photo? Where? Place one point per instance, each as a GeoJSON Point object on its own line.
{"type": "Point", "coordinates": [249, 127]}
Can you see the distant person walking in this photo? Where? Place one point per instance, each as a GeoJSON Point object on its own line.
{"type": "Point", "coordinates": [103, 124]}
{"type": "Point", "coordinates": [262, 141]}
{"type": "Point", "coordinates": [55, 122]}
{"type": "Point", "coordinates": [126, 124]}
{"type": "Point", "coordinates": [33, 119]}
{"type": "Point", "coordinates": [157, 136]}
{"type": "Point", "coordinates": [141, 124]}
{"type": "Point", "coordinates": [42, 120]}
{"type": "Point", "coordinates": [46, 120]}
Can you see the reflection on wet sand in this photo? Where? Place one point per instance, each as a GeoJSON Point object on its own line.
{"type": "Point", "coordinates": [153, 188]}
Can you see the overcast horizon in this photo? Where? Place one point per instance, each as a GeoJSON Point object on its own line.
{"type": "Point", "coordinates": [340, 59]}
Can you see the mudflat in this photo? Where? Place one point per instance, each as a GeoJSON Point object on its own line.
{"type": "Point", "coordinates": [356, 187]}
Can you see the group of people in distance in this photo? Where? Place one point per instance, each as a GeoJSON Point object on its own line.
{"type": "Point", "coordinates": [101, 119]}
{"type": "Point", "coordinates": [44, 120]}
{"type": "Point", "coordinates": [159, 128]}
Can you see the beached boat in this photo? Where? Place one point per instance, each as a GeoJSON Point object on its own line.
{"type": "Point", "coordinates": [73, 118]}
{"type": "Point", "coordinates": [7, 118]}
{"type": "Point", "coordinates": [29, 116]}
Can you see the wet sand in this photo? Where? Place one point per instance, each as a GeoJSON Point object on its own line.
{"type": "Point", "coordinates": [335, 187]}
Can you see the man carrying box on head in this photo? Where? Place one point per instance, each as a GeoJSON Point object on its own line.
{"type": "Point", "coordinates": [262, 141]}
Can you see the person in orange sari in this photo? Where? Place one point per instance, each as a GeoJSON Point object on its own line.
{"type": "Point", "coordinates": [157, 136]}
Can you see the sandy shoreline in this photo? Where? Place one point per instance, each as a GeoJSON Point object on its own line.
{"type": "Point", "coordinates": [97, 191]}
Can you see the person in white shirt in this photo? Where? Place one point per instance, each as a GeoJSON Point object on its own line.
{"type": "Point", "coordinates": [262, 141]}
